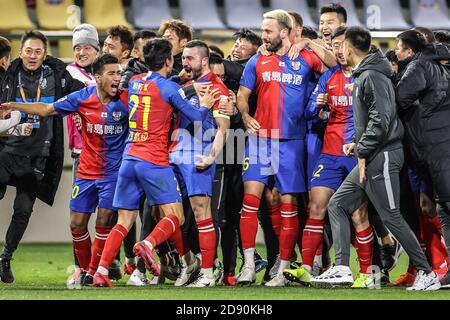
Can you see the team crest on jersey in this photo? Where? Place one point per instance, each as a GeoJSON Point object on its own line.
{"type": "Point", "coordinates": [116, 115]}
{"type": "Point", "coordinates": [296, 65]}
{"type": "Point", "coordinates": [43, 84]}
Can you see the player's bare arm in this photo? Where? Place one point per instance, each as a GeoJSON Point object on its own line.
{"type": "Point", "coordinates": [37, 108]}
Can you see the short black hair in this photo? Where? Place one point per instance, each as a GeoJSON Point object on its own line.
{"type": "Point", "coordinates": [248, 35]}
{"type": "Point", "coordinates": [5, 47]}
{"type": "Point", "coordinates": [391, 56]}
{"type": "Point", "coordinates": [214, 58]}
{"type": "Point", "coordinates": [33, 34]}
{"type": "Point", "coordinates": [144, 34]}
{"type": "Point", "coordinates": [309, 33]}
{"type": "Point", "coordinates": [99, 64]}
{"type": "Point", "coordinates": [338, 32]}
{"type": "Point", "coordinates": [204, 49]}
{"type": "Point", "coordinates": [297, 17]}
{"type": "Point", "coordinates": [427, 33]}
{"type": "Point", "coordinates": [442, 36]}
{"type": "Point", "coordinates": [359, 38]}
{"type": "Point", "coordinates": [124, 34]}
{"type": "Point", "coordinates": [335, 7]}
{"type": "Point", "coordinates": [216, 49]}
{"type": "Point", "coordinates": [413, 40]}
{"type": "Point", "coordinates": [156, 52]}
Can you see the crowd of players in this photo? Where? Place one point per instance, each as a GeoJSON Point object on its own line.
{"type": "Point", "coordinates": [342, 145]}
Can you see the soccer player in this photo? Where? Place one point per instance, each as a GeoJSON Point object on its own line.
{"type": "Point", "coordinates": [105, 125]}
{"type": "Point", "coordinates": [333, 100]}
{"type": "Point", "coordinates": [378, 147]}
{"type": "Point", "coordinates": [145, 166]}
{"type": "Point", "coordinates": [276, 143]}
{"type": "Point", "coordinates": [193, 157]}
{"type": "Point", "coordinates": [119, 43]}
{"type": "Point", "coordinates": [331, 16]}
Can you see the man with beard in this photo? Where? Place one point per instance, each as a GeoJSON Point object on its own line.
{"type": "Point", "coordinates": [193, 156]}
{"type": "Point", "coordinates": [276, 145]}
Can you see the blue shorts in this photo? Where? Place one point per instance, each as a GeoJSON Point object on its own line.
{"type": "Point", "coordinates": [313, 152]}
{"type": "Point", "coordinates": [417, 185]}
{"type": "Point", "coordinates": [137, 177]}
{"type": "Point", "coordinates": [331, 170]}
{"type": "Point", "coordinates": [283, 159]}
{"type": "Point", "coordinates": [87, 195]}
{"type": "Point", "coordinates": [192, 181]}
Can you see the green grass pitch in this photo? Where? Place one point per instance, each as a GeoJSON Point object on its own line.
{"type": "Point", "coordinates": [41, 272]}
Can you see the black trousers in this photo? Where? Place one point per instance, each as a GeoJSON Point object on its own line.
{"type": "Point", "coordinates": [20, 170]}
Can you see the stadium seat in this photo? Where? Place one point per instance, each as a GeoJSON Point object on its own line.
{"type": "Point", "coordinates": [193, 12]}
{"type": "Point", "coordinates": [53, 16]}
{"type": "Point", "coordinates": [243, 14]}
{"type": "Point", "coordinates": [432, 14]}
{"type": "Point", "coordinates": [65, 50]}
{"type": "Point", "coordinates": [148, 14]}
{"type": "Point", "coordinates": [352, 15]}
{"type": "Point", "coordinates": [14, 16]}
{"type": "Point", "coordinates": [384, 15]}
{"type": "Point", "coordinates": [299, 6]}
{"type": "Point", "coordinates": [104, 14]}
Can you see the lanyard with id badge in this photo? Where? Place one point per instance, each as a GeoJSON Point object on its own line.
{"type": "Point", "coordinates": [26, 118]}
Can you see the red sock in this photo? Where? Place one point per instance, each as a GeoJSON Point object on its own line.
{"type": "Point", "coordinates": [432, 240]}
{"type": "Point", "coordinates": [275, 217]}
{"type": "Point", "coordinates": [207, 241]}
{"type": "Point", "coordinates": [364, 249]}
{"type": "Point", "coordinates": [437, 223]}
{"type": "Point", "coordinates": [312, 240]}
{"type": "Point", "coordinates": [165, 228]}
{"type": "Point", "coordinates": [249, 220]}
{"type": "Point", "coordinates": [178, 241]}
{"type": "Point", "coordinates": [112, 245]}
{"type": "Point", "coordinates": [82, 246]}
{"type": "Point", "coordinates": [289, 230]}
{"type": "Point", "coordinates": [101, 234]}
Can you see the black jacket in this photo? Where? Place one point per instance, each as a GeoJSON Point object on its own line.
{"type": "Point", "coordinates": [65, 84]}
{"type": "Point", "coordinates": [424, 92]}
{"type": "Point", "coordinates": [134, 67]}
{"type": "Point", "coordinates": [377, 127]}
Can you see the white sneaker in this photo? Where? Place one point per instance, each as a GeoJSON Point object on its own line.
{"type": "Point", "coordinates": [76, 279]}
{"type": "Point", "coordinates": [157, 280]}
{"type": "Point", "coordinates": [274, 270]}
{"type": "Point", "coordinates": [202, 281]}
{"type": "Point", "coordinates": [187, 271]}
{"type": "Point", "coordinates": [278, 281]}
{"type": "Point", "coordinates": [425, 282]}
{"type": "Point", "coordinates": [247, 275]}
{"type": "Point", "coordinates": [138, 279]}
{"type": "Point", "coordinates": [336, 276]}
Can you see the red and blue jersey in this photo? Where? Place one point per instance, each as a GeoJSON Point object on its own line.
{"type": "Point", "coordinates": [104, 131]}
{"type": "Point", "coordinates": [199, 140]}
{"type": "Point", "coordinates": [340, 127]}
{"type": "Point", "coordinates": [281, 85]}
{"type": "Point", "coordinates": [151, 102]}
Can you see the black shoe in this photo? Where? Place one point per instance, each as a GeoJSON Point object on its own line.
{"type": "Point", "coordinates": [260, 263]}
{"type": "Point", "coordinates": [445, 281]}
{"type": "Point", "coordinates": [6, 274]}
{"type": "Point", "coordinates": [390, 254]}
{"type": "Point", "coordinates": [115, 272]}
{"type": "Point", "coordinates": [87, 280]}
{"type": "Point", "coordinates": [384, 280]}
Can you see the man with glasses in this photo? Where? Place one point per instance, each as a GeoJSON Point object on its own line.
{"type": "Point", "coordinates": [33, 164]}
